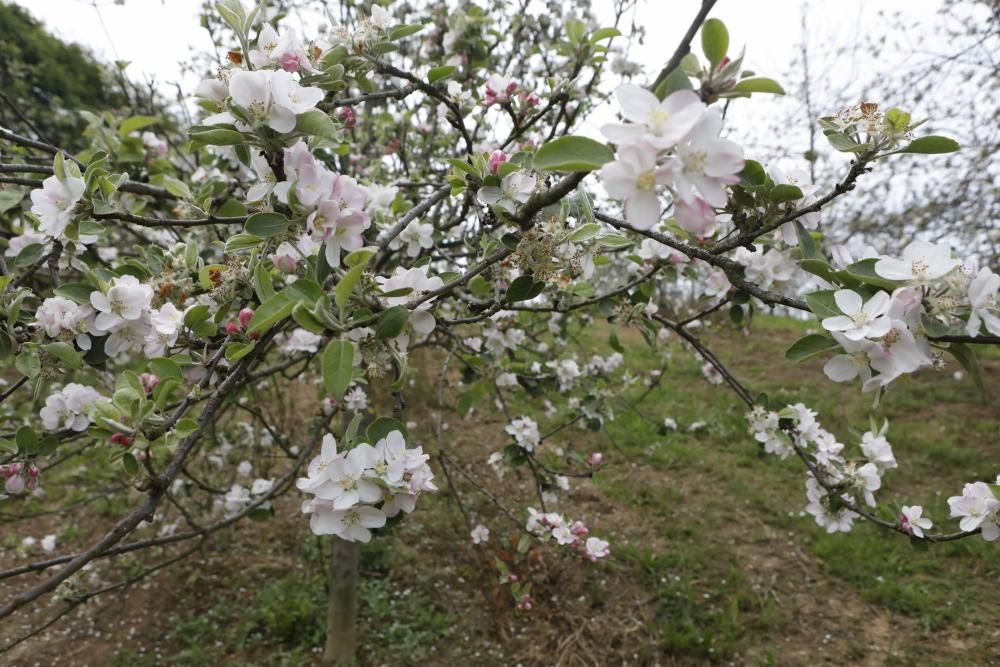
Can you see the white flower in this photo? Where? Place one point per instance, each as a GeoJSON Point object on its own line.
{"type": "Point", "coordinates": [380, 18]}
{"type": "Point", "coordinates": [706, 163]}
{"type": "Point", "coordinates": [766, 268]}
{"type": "Point", "coordinates": [65, 319]}
{"type": "Point", "coordinates": [69, 407]}
{"type": "Point", "coordinates": [48, 543]}
{"type": "Point", "coordinates": [347, 482]}
{"type": "Point", "coordinates": [244, 469]}
{"type": "Point", "coordinates": [480, 534]}
{"type": "Point", "coordinates": [860, 321]}
{"type": "Point", "coordinates": [416, 236]}
{"type": "Point", "coordinates": [525, 432]}
{"type": "Point", "coordinates": [506, 380]}
{"type": "Point", "coordinates": [912, 521]}
{"type": "Point", "coordinates": [983, 303]}
{"type": "Point", "coordinates": [301, 340]}
{"type": "Point", "coordinates": [596, 548]}
{"type": "Point", "coordinates": [922, 262]}
{"type": "Point", "coordinates": [844, 367]}
{"type": "Point", "coordinates": [54, 203]}
{"type": "Point", "coordinates": [669, 424]}
{"type": "Point", "coordinates": [127, 299]}
{"type": "Point", "coordinates": [261, 486]}
{"type": "Point", "coordinates": [318, 472]}
{"type": "Point", "coordinates": [252, 91]}
{"type": "Point", "coordinates": [352, 524]}
{"type": "Point", "coordinates": [495, 461]}
{"type": "Point", "coordinates": [340, 218]}
{"type": "Point", "coordinates": [288, 94]}
{"type": "Point", "coordinates": [28, 238]}
{"type": "Point", "coordinates": [868, 478]}
{"type": "Point", "coordinates": [663, 124]}
{"type": "Point", "coordinates": [878, 450]}
{"type": "Point", "coordinates": [167, 319]}
{"type": "Point", "coordinates": [633, 177]}
{"type": "Point", "coordinates": [695, 217]}
{"type": "Point", "coordinates": [977, 508]}
{"type": "Point", "coordinates": [285, 50]}
{"type": "Point", "coordinates": [567, 372]}
{"type": "Point", "coordinates": [419, 283]}
{"type": "Point", "coordinates": [515, 188]}
{"type": "Point", "coordinates": [236, 499]}
{"type": "Point", "coordinates": [356, 400]}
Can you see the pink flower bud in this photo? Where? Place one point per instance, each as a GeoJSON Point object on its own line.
{"type": "Point", "coordinates": [348, 118]}
{"type": "Point", "coordinates": [595, 460]}
{"type": "Point", "coordinates": [244, 317]}
{"type": "Point", "coordinates": [14, 485]}
{"type": "Point", "coordinates": [695, 217]}
{"type": "Point", "coordinates": [232, 328]}
{"type": "Point", "coordinates": [284, 263]}
{"type": "Point", "coordinates": [511, 577]}
{"type": "Point", "coordinates": [579, 529]}
{"type": "Point", "coordinates": [289, 62]}
{"type": "Point", "coordinates": [497, 158]}
{"type": "Point", "coordinates": [525, 603]}
{"type": "Point", "coordinates": [904, 524]}
{"type": "Point", "coordinates": [149, 381]}
{"type": "Point", "coordinates": [121, 439]}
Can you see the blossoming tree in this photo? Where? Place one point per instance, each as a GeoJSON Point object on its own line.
{"type": "Point", "coordinates": [415, 179]}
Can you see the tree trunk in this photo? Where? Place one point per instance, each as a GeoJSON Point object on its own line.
{"type": "Point", "coordinates": [341, 615]}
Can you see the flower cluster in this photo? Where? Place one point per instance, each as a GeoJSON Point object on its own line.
{"type": "Point", "coordinates": [886, 335]}
{"type": "Point", "coordinates": [70, 407]}
{"type": "Point", "coordinates": [674, 143]}
{"type": "Point", "coordinates": [356, 490]}
{"type": "Point", "coordinates": [19, 477]}
{"type": "Point", "coordinates": [978, 507]}
{"type": "Point", "coordinates": [552, 525]}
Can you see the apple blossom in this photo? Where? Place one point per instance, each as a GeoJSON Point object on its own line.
{"type": "Point", "coordinates": [705, 163]}
{"type": "Point", "coordinates": [480, 534]}
{"type": "Point", "coordinates": [922, 262]}
{"type": "Point", "coordinates": [860, 319]}
{"type": "Point", "coordinates": [983, 290]}
{"type": "Point", "coordinates": [912, 521]}
{"type": "Point", "coordinates": [515, 188]}
{"type": "Point", "coordinates": [54, 202]}
{"type": "Point", "coordinates": [633, 176]}
{"type": "Point", "coordinates": [662, 124]}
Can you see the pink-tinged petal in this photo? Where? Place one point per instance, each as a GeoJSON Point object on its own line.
{"type": "Point", "coordinates": [841, 368]}
{"type": "Point", "coordinates": [681, 124]}
{"type": "Point", "coordinates": [636, 102]}
{"type": "Point", "coordinates": [642, 210]}
{"type": "Point", "coordinates": [894, 269]}
{"type": "Point", "coordinates": [623, 134]}
{"type": "Point", "coordinates": [489, 194]}
{"type": "Point", "coordinates": [617, 177]}
{"type": "Point", "coordinates": [711, 190]}
{"type": "Point", "coordinates": [838, 323]}
{"type": "Point", "coordinates": [640, 156]}
{"type": "Point", "coordinates": [848, 301]}
{"type": "Point", "coordinates": [371, 517]}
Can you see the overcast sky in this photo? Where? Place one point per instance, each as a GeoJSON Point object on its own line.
{"type": "Point", "coordinates": [154, 36]}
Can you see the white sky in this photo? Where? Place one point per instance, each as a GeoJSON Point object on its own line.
{"type": "Point", "coordinates": [156, 35]}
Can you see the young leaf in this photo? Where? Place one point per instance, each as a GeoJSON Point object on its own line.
{"type": "Point", "coordinates": [714, 41]}
{"type": "Point", "coordinates": [809, 346]}
{"type": "Point", "coordinates": [931, 145]}
{"type": "Point", "coordinates": [266, 225]}
{"type": "Point", "coordinates": [572, 154]}
{"type": "Point", "coordinates": [759, 85]}
{"type": "Point", "coordinates": [338, 367]}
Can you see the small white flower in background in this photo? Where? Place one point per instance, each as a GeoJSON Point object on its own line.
{"type": "Point", "coordinates": [669, 424]}
{"type": "Point", "coordinates": [416, 236]}
{"type": "Point", "coordinates": [480, 534]}
{"type": "Point", "coordinates": [766, 268]}
{"type": "Point", "coordinates": [48, 543]}
{"type": "Point", "coordinates": [977, 507]}
{"type": "Point", "coordinates": [381, 18]}
{"type": "Point", "coordinates": [922, 262]}
{"type": "Point", "coordinates": [515, 188]}
{"type": "Point", "coordinates": [694, 427]}
{"type": "Point", "coordinates": [567, 372]}
{"type": "Point", "coordinates": [633, 177]}
{"type": "Point", "coordinates": [155, 145]}
{"type": "Point", "coordinates": [525, 432]}
{"type": "Point", "coordinates": [860, 319]}
{"type": "Point", "coordinates": [868, 479]}
{"type": "Point", "coordinates": [236, 499]}
{"type": "Point", "coordinates": [261, 486]}
{"type": "Point", "coordinates": [711, 373]}
{"type": "Point", "coordinates": [663, 124]}
{"type": "Point", "coordinates": [54, 203]}
{"type": "Point", "coordinates": [495, 461]}
{"type": "Point", "coordinates": [356, 400]}
{"type": "Point", "coordinates": [244, 469]}
{"type": "Point", "coordinates": [913, 522]}
{"type": "Point", "coordinates": [506, 380]}
{"type": "Point", "coordinates": [983, 290]}
{"type": "Point", "coordinates": [301, 340]}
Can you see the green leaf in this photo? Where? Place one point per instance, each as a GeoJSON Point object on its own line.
{"type": "Point", "coordinates": [930, 145]}
{"type": "Point", "coordinates": [26, 439]}
{"type": "Point", "coordinates": [275, 309]}
{"type": "Point", "coordinates": [753, 173]}
{"type": "Point", "coordinates": [79, 292]}
{"type": "Point", "coordinates": [604, 33]}
{"type": "Point", "coordinates": [864, 271]}
{"type": "Point", "coordinates": [130, 125]}
{"type": "Point", "coordinates": [438, 73]}
{"type": "Point", "coordinates": [266, 225]}
{"type": "Point", "coordinates": [65, 353]}
{"type": "Point", "coordinates": [714, 41]}
{"type": "Point", "coordinates": [572, 154]}
{"type": "Point", "coordinates": [807, 244]}
{"type": "Point", "coordinates": [238, 242]}
{"type": "Point", "coordinates": [401, 31]}
{"type": "Point", "coordinates": [382, 427]}
{"type": "Point", "coordinates": [391, 323]}
{"type": "Point", "coordinates": [342, 293]}
{"type": "Point", "coordinates": [9, 199]}
{"type": "Point", "coordinates": [759, 85]}
{"type": "Point", "coordinates": [237, 350]}
{"type": "Point", "coordinates": [843, 143]}
{"type": "Point", "coordinates": [520, 289]}
{"type": "Point", "coordinates": [196, 315]}
{"type": "Point", "coordinates": [305, 289]}
{"type": "Point", "coordinates": [784, 193]}
{"type": "Point", "coordinates": [809, 346]}
{"type": "Point", "coordinates": [164, 368]}
{"type": "Point", "coordinates": [967, 358]}
{"type": "Point", "coordinates": [338, 367]}
{"type": "Point", "coordinates": [584, 232]}
{"type": "Point", "coordinates": [316, 123]}
{"type": "Point", "coordinates": [676, 80]}
{"type": "Point", "coordinates": [822, 304]}
{"type": "Point", "coordinates": [216, 136]}
{"type": "Point", "coordinates": [130, 463]}
{"type": "Point", "coordinates": [304, 317]}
